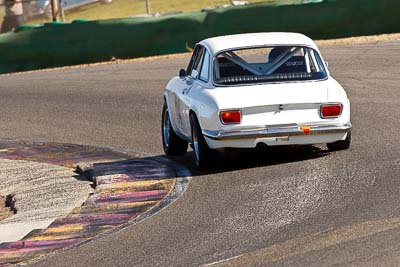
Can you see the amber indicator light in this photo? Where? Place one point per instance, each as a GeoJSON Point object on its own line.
{"type": "Point", "coordinates": [306, 129]}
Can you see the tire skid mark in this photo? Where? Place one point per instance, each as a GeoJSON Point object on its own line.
{"type": "Point", "coordinates": [126, 187]}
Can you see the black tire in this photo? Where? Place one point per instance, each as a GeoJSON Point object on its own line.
{"type": "Point", "coordinates": [340, 145]}
{"type": "Point", "coordinates": [204, 157]}
{"type": "Point", "coordinates": [173, 145]}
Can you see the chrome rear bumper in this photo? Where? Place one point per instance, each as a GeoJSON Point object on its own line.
{"type": "Point", "coordinates": [277, 131]}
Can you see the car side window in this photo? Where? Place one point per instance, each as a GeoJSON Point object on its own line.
{"type": "Point", "coordinates": [205, 67]}
{"type": "Point", "coordinates": [192, 60]}
{"type": "Point", "coordinates": [195, 61]}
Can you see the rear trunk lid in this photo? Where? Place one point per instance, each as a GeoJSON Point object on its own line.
{"type": "Point", "coordinates": [274, 104]}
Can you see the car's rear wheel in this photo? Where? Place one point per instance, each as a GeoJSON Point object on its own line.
{"type": "Point", "coordinates": [340, 145]}
{"type": "Point", "coordinates": [204, 157]}
{"type": "Point", "coordinates": [173, 145]}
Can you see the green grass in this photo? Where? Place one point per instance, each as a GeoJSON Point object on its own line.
{"type": "Point", "coordinates": [128, 8]}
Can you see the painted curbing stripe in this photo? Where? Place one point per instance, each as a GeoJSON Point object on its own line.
{"type": "Point", "coordinates": [32, 246]}
{"type": "Point", "coordinates": [136, 186]}
{"type": "Point", "coordinates": [95, 220]}
{"type": "Point", "coordinates": [127, 197]}
{"type": "Point", "coordinates": [116, 208]}
{"type": "Point", "coordinates": [65, 232]}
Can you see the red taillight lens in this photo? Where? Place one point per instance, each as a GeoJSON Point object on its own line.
{"type": "Point", "coordinates": [230, 116]}
{"type": "Point", "coordinates": [331, 110]}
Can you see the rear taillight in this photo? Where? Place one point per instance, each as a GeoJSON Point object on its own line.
{"type": "Point", "coordinates": [230, 116]}
{"type": "Point", "coordinates": [329, 111]}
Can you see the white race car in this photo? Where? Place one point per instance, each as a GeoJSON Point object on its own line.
{"type": "Point", "coordinates": [248, 90]}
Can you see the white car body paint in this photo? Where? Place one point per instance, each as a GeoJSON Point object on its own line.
{"type": "Point", "coordinates": [263, 106]}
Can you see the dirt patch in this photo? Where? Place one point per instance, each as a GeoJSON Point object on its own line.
{"type": "Point", "coordinates": [5, 211]}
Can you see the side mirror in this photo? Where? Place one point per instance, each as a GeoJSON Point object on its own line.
{"type": "Point", "coordinates": [182, 73]}
{"type": "Point", "coordinates": [327, 63]}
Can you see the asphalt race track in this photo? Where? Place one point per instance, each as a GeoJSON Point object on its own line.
{"type": "Point", "coordinates": [297, 206]}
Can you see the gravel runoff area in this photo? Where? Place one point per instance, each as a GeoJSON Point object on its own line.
{"type": "Point", "coordinates": [41, 193]}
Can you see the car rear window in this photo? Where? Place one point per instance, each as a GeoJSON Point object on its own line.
{"type": "Point", "coordinates": [268, 64]}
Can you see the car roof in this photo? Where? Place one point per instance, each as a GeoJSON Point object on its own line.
{"type": "Point", "coordinates": [229, 42]}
